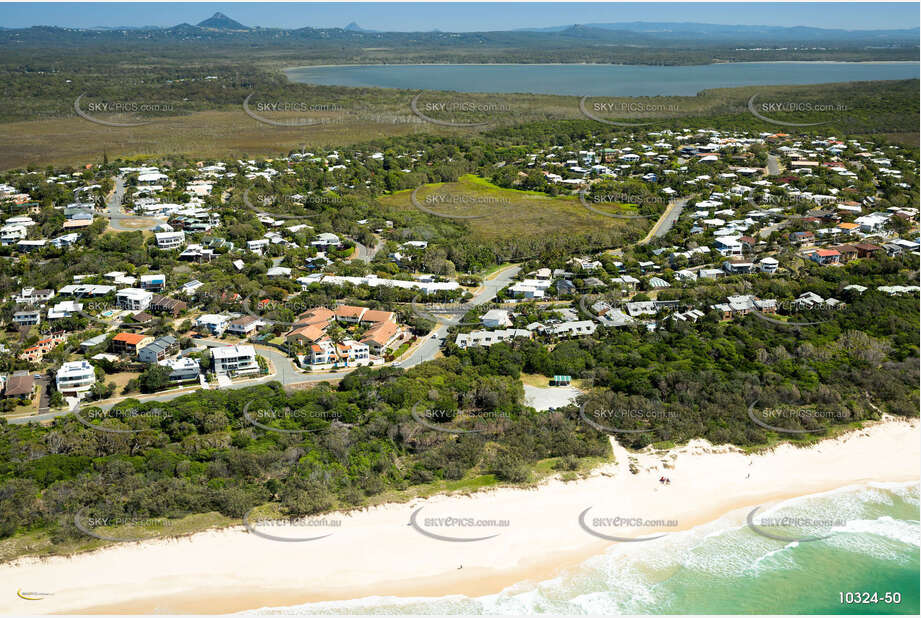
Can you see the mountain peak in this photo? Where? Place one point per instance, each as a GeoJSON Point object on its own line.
{"type": "Point", "coordinates": [219, 21]}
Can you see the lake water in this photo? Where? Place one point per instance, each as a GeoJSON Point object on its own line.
{"type": "Point", "coordinates": [599, 80]}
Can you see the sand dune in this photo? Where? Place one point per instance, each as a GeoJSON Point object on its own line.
{"type": "Point", "coordinates": [376, 552]}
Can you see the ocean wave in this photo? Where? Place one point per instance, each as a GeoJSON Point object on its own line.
{"type": "Point", "coordinates": [660, 576]}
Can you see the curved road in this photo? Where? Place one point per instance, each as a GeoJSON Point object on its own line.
{"type": "Point", "coordinates": [667, 220]}
{"type": "Point", "coordinates": [288, 374]}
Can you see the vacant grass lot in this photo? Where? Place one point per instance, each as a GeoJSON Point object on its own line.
{"type": "Point", "coordinates": [506, 213]}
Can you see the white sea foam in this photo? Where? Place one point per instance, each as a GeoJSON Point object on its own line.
{"type": "Point", "coordinates": [635, 577]}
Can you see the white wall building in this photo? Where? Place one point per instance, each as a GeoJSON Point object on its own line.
{"type": "Point", "coordinates": [133, 299]}
{"type": "Point", "coordinates": [234, 360]}
{"type": "Point", "coordinates": [75, 377]}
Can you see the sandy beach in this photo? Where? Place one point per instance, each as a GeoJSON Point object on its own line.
{"type": "Point", "coordinates": [376, 552]}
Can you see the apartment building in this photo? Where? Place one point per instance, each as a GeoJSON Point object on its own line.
{"type": "Point", "coordinates": [234, 360]}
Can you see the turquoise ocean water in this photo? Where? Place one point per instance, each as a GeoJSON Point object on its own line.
{"type": "Point", "coordinates": [721, 567]}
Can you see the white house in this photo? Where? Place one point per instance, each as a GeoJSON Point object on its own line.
{"type": "Point", "coordinates": [234, 360]}
{"type": "Point", "coordinates": [495, 318]}
{"type": "Point", "coordinates": [214, 323]}
{"type": "Point", "coordinates": [479, 338]}
{"type": "Point", "coordinates": [75, 377]}
{"type": "Point", "coordinates": [768, 265]}
{"type": "Point", "coordinates": [182, 368]}
{"type": "Point", "coordinates": [133, 299]}
{"type": "Point", "coordinates": [170, 240]}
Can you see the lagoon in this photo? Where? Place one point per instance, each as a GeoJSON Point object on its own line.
{"type": "Point", "coordinates": [598, 79]}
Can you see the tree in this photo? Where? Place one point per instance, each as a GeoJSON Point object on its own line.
{"type": "Point", "coordinates": [154, 378]}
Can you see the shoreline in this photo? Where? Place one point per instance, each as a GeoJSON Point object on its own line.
{"type": "Point", "coordinates": [586, 64]}
{"type": "Point", "coordinates": [377, 554]}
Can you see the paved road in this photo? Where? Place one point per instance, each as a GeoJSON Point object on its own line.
{"type": "Point", "coordinates": [773, 165]}
{"type": "Point", "coordinates": [429, 348]}
{"type": "Point", "coordinates": [366, 254]}
{"type": "Point", "coordinates": [288, 374]}
{"type": "Point", "coordinates": [116, 214]}
{"type": "Point", "coordinates": [667, 220]}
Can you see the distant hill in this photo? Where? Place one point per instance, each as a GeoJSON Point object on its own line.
{"type": "Point", "coordinates": [354, 27]}
{"type": "Point", "coordinates": [721, 32]}
{"type": "Point", "coordinates": [219, 21]}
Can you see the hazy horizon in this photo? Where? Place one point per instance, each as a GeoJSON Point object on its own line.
{"type": "Point", "coordinates": [459, 17]}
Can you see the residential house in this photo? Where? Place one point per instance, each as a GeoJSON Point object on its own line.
{"type": "Point", "coordinates": [381, 337]}
{"type": "Point", "coordinates": [866, 250]}
{"type": "Point", "coordinates": [133, 299]}
{"type": "Point", "coordinates": [244, 326]}
{"type": "Point", "coordinates": [129, 343]}
{"type": "Point", "coordinates": [846, 252]}
{"type": "Point", "coordinates": [825, 257]}
{"type": "Point", "coordinates": [29, 317]}
{"type": "Point", "coordinates": [165, 304]}
{"type": "Point", "coordinates": [167, 241]}
{"type": "Point", "coordinates": [20, 385]}
{"type": "Point", "coordinates": [31, 296]}
{"type": "Point", "coordinates": [158, 350]}
{"type": "Point", "coordinates": [36, 353]}
{"type": "Point", "coordinates": [496, 318]}
{"type": "Point", "coordinates": [480, 338]}
{"type": "Point", "coordinates": [182, 369]}
{"type": "Point", "coordinates": [234, 360]}
{"type": "Point", "coordinates": [768, 265]}
{"type": "Point", "coordinates": [75, 377]}
{"type": "Point", "coordinates": [212, 323]}
{"type": "Point", "coordinates": [153, 282]}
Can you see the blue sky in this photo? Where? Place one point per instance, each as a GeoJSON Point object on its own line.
{"type": "Point", "coordinates": [460, 17]}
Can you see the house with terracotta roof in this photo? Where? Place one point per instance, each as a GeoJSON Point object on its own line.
{"type": "Point", "coordinates": [317, 315]}
{"type": "Point", "coordinates": [129, 343]}
{"type": "Point", "coordinates": [306, 335]}
{"type": "Point", "coordinates": [349, 313]}
{"type": "Point", "coordinates": [35, 353]}
{"type": "Point", "coordinates": [381, 337]}
{"type": "Point", "coordinates": [825, 257]}
{"type": "Point", "coordinates": [373, 316]}
{"type": "Point", "coordinates": [848, 228]}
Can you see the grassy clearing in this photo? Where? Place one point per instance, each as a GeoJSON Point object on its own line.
{"type": "Point", "coordinates": [504, 213]}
